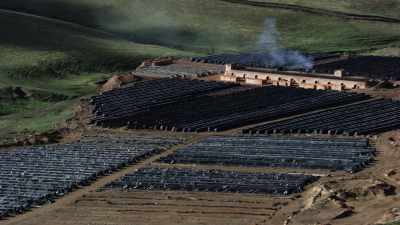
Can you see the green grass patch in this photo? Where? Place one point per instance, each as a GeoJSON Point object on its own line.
{"type": "Point", "coordinates": [389, 51]}
{"type": "Point", "coordinates": [70, 85]}
{"type": "Point", "coordinates": [20, 105]}
{"type": "Point", "coordinates": [42, 112]}
{"type": "Point", "coordinates": [48, 117]}
{"type": "Point", "coordinates": [395, 223]}
{"type": "Point", "coordinates": [217, 26]}
{"type": "Point", "coordinates": [210, 26]}
{"type": "Point", "coordinates": [37, 47]}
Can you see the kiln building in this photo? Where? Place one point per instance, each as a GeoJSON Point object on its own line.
{"type": "Point", "coordinates": [261, 76]}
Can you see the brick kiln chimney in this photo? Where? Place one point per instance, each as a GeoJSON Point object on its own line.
{"type": "Point", "coordinates": [338, 73]}
{"type": "Point", "coordinates": [228, 69]}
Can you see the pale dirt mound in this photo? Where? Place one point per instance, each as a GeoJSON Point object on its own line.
{"type": "Point", "coordinates": [118, 81]}
{"type": "Point", "coordinates": [366, 190]}
{"type": "Point", "coordinates": [394, 139]}
{"type": "Point", "coordinates": [322, 203]}
{"type": "Point", "coordinates": [335, 201]}
{"type": "Point", "coordinates": [318, 195]}
{"type": "Point", "coordinates": [352, 189]}
{"type": "Point", "coordinates": [113, 83]}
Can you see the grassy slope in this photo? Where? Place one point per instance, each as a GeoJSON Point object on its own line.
{"type": "Point", "coordinates": [57, 57]}
{"type": "Point", "coordinates": [33, 42]}
{"type": "Point", "coordinates": [213, 25]}
{"type": "Point", "coordinates": [52, 57]}
{"type": "Point", "coordinates": [217, 26]}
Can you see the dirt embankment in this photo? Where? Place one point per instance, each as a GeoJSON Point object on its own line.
{"type": "Point", "coordinates": [369, 197]}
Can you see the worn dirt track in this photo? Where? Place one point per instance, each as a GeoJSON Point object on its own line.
{"type": "Point", "coordinates": [317, 11]}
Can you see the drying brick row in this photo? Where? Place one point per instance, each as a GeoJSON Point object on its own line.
{"type": "Point", "coordinates": [350, 154]}
{"type": "Point", "coordinates": [363, 118]}
{"type": "Point", "coordinates": [34, 175]}
{"type": "Point", "coordinates": [212, 181]}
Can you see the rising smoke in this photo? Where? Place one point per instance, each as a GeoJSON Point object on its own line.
{"type": "Point", "coordinates": [269, 53]}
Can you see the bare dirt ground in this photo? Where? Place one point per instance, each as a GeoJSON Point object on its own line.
{"type": "Point", "coordinates": [365, 198]}
{"type": "Point", "coordinates": [337, 198]}
{"type": "Point", "coordinates": [362, 198]}
{"type": "Point", "coordinates": [116, 207]}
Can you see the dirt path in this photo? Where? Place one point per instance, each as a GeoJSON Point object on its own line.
{"type": "Point", "coordinates": [60, 22]}
{"type": "Point", "coordinates": [317, 11]}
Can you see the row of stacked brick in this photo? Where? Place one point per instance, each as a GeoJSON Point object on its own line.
{"type": "Point", "coordinates": [364, 118]}
{"type": "Point", "coordinates": [190, 105]}
{"type": "Point", "coordinates": [31, 176]}
{"type": "Point", "coordinates": [331, 153]}
{"type": "Point", "coordinates": [114, 108]}
{"type": "Point", "coordinates": [223, 112]}
{"type": "Point", "coordinates": [155, 178]}
{"type": "Point", "coordinates": [349, 154]}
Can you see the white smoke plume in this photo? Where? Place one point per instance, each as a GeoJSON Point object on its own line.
{"type": "Point", "coordinates": [269, 38]}
{"type": "Point", "coordinates": [269, 53]}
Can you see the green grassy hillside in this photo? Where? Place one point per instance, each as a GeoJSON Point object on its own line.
{"type": "Point", "coordinates": [71, 44]}
{"type": "Point", "coordinates": [36, 46]}
{"type": "Point", "coordinates": [219, 26]}
{"type": "Point", "coordinates": [50, 58]}
{"type": "Point", "coordinates": [389, 8]}
{"type": "Point", "coordinates": [235, 27]}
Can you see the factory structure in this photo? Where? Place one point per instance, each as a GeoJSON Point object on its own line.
{"type": "Point", "coordinates": [331, 74]}
{"type": "Point", "coordinates": [264, 77]}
